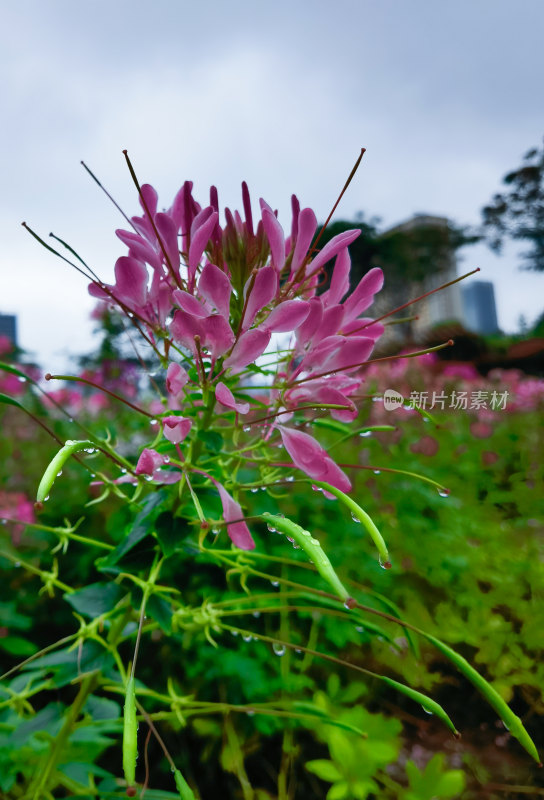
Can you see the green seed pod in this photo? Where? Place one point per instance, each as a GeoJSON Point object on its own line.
{"type": "Point", "coordinates": [359, 515]}
{"type": "Point", "coordinates": [56, 465]}
{"type": "Point", "coordinates": [130, 734]}
{"type": "Point", "coordinates": [312, 548]}
{"type": "Point", "coordinates": [511, 721]}
{"type": "Point", "coordinates": [185, 791]}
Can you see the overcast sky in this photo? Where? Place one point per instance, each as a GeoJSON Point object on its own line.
{"type": "Point", "coordinates": [445, 96]}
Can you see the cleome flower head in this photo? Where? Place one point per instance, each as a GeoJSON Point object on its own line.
{"type": "Point", "coordinates": [215, 296]}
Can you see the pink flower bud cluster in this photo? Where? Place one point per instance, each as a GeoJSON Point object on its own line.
{"type": "Point", "coordinates": [214, 294]}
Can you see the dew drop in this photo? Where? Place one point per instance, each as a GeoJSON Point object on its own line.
{"type": "Point", "coordinates": [17, 563]}
{"type": "Point", "coordinates": [444, 492]}
{"type": "Point", "coordinates": [3, 521]}
{"type": "Point", "coordinates": [271, 529]}
{"type": "Point", "coordinates": [359, 629]}
{"type": "Point", "coordinates": [365, 434]}
{"type": "Point", "coordinates": [315, 541]}
{"type": "Point", "coordinates": [427, 711]}
{"type": "Point", "coordinates": [290, 479]}
{"type": "Point", "coordinates": [166, 459]}
{"type": "Point", "coordinates": [247, 428]}
{"type": "Point", "coordinates": [123, 470]}
{"type": "Point", "coordinates": [46, 499]}
{"type": "Point", "coordinates": [154, 422]}
{"type": "Point", "coordinates": [21, 379]}
{"type": "Point", "coordinates": [250, 712]}
{"type": "Point", "coordinates": [350, 603]}
{"type": "Point", "coordinates": [316, 488]}
{"type": "Point", "coordinates": [234, 633]}
{"type": "Point", "coordinates": [59, 474]}
{"type": "Point", "coordinates": [255, 489]}
{"type": "Point", "coordinates": [355, 518]}
{"type": "Point", "coordinates": [289, 539]}
{"type": "Point", "coordinates": [384, 564]}
{"type": "Point", "coordinates": [256, 614]}
{"type": "Point", "coordinates": [376, 471]}
{"type": "Point", "coordinates": [247, 637]}
{"type": "Point", "coordinates": [275, 583]}
{"type": "Point", "coordinates": [279, 649]}
{"type": "Point", "coordinates": [215, 531]}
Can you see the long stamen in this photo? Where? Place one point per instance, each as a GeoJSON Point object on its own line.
{"type": "Point", "coordinates": [49, 377]}
{"type": "Point", "coordinates": [108, 195]}
{"type": "Point", "coordinates": [416, 300]}
{"type": "Point", "coordinates": [335, 206]}
{"type": "Point", "coordinates": [152, 221]}
{"type": "Point", "coordinates": [438, 347]}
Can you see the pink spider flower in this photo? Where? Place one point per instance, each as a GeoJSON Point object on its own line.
{"type": "Point", "coordinates": [312, 459]}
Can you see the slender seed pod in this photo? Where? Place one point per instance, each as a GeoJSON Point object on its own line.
{"type": "Point", "coordinates": [130, 735]}
{"type": "Point", "coordinates": [57, 464]}
{"type": "Point", "coordinates": [511, 721]}
{"type": "Point", "coordinates": [363, 517]}
{"type": "Point", "coordinates": [185, 791]}
{"type": "Point", "coordinates": [428, 704]}
{"type": "Point", "coordinates": [312, 548]}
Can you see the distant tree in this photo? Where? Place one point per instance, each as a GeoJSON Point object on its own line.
{"type": "Point", "coordinates": [407, 254]}
{"type": "Point", "coordinates": [518, 212]}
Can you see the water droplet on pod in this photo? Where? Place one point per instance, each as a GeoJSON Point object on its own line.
{"type": "Point", "coordinates": [384, 564]}
{"type": "Point", "coordinates": [444, 492]}
{"type": "Point", "coordinates": [355, 518]}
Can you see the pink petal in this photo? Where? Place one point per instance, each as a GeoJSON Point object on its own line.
{"type": "Point", "coordinates": [373, 330]}
{"type": "Point", "coordinates": [312, 322]}
{"type": "Point", "coordinates": [97, 291]}
{"type": "Point", "coordinates": [246, 201]}
{"type": "Point", "coordinates": [238, 531]}
{"type": "Point", "coordinates": [224, 395]}
{"type": "Point", "coordinates": [217, 335]}
{"type": "Point", "coordinates": [311, 458]}
{"type": "Point", "coordinates": [263, 292]}
{"type": "Point", "coordinates": [340, 279]}
{"type": "Point", "coordinates": [354, 352]}
{"type": "Point", "coordinates": [139, 247]}
{"type": "Point", "coordinates": [176, 378]}
{"type": "Point", "coordinates": [363, 296]}
{"type": "Point", "coordinates": [307, 224]}
{"type": "Point", "coordinates": [176, 429]}
{"type": "Point", "coordinates": [247, 349]}
{"type": "Point", "coordinates": [214, 286]}
{"type": "Point", "coordinates": [131, 281]}
{"type": "Point", "coordinates": [287, 316]}
{"type": "Point", "coordinates": [332, 248]}
{"type": "Point", "coordinates": [169, 237]}
{"type": "Point", "coordinates": [332, 321]}
{"type": "Point", "coordinates": [275, 236]}
{"type": "Point", "coordinates": [149, 461]}
{"type": "Point", "coordinates": [199, 240]}
{"type": "Point", "coordinates": [184, 327]}
{"type": "Point", "coordinates": [151, 199]}
{"type": "Point", "coordinates": [189, 303]}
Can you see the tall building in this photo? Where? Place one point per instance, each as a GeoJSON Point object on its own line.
{"type": "Point", "coordinates": [443, 306]}
{"type": "Point", "coordinates": [8, 327]}
{"type": "Point", "coordinates": [479, 307]}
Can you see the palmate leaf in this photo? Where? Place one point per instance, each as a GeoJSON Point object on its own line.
{"type": "Point", "coordinates": [314, 551]}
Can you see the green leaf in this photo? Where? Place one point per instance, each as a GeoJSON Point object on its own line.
{"type": "Point", "coordinates": [170, 531]}
{"type": "Point", "coordinates": [143, 526]}
{"type": "Point", "coordinates": [213, 441]}
{"type": "Point", "coordinates": [324, 769]}
{"type": "Point", "coordinates": [95, 599]}
{"type": "Point", "coordinates": [161, 611]}
{"type": "Point", "coordinates": [17, 646]}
